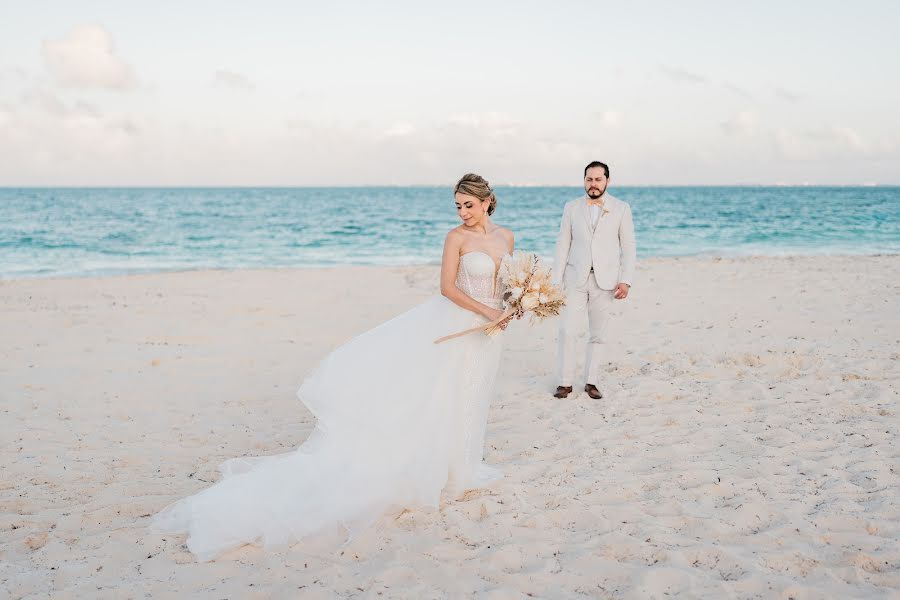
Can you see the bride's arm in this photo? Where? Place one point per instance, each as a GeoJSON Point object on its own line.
{"type": "Point", "coordinates": [449, 268]}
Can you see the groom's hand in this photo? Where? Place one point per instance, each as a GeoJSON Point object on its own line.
{"type": "Point", "coordinates": [621, 291]}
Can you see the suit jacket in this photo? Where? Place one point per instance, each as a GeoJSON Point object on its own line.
{"type": "Point", "coordinates": [609, 247]}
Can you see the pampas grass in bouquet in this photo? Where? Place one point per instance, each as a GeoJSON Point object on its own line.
{"type": "Point", "coordinates": [529, 290]}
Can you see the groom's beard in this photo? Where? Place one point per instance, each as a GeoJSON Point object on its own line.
{"type": "Point", "coordinates": [594, 192]}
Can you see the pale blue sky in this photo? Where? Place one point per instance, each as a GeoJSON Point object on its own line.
{"type": "Point", "coordinates": [354, 93]}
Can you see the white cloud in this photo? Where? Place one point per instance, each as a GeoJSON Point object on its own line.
{"type": "Point", "coordinates": [845, 136]}
{"type": "Point", "coordinates": [494, 144]}
{"type": "Point", "coordinates": [86, 58]}
{"type": "Point", "coordinates": [743, 123]}
{"type": "Point", "coordinates": [232, 79]}
{"type": "Point", "coordinates": [399, 129]}
{"type": "Point", "coordinates": [787, 95]}
{"type": "Point", "coordinates": [611, 118]}
{"type": "Point", "coordinates": [679, 75]}
{"type": "Point", "coordinates": [43, 99]}
{"type": "Point", "coordinates": [489, 126]}
{"type": "Point", "coordinates": [833, 142]}
{"type": "Point", "coordinates": [737, 90]}
{"type": "Point", "coordinates": [13, 75]}
{"type": "Point", "coordinates": [48, 141]}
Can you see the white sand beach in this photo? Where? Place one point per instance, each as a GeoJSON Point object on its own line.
{"type": "Point", "coordinates": [747, 446]}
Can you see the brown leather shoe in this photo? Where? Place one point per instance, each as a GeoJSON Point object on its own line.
{"type": "Point", "coordinates": [562, 391]}
{"type": "Point", "coordinates": [592, 391]}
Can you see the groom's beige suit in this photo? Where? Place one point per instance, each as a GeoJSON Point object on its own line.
{"type": "Point", "coordinates": [595, 251]}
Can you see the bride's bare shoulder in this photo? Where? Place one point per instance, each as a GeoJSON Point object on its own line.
{"type": "Point", "coordinates": [455, 233]}
{"type": "Point", "coordinates": [454, 237]}
{"type": "Point", "coordinates": [507, 234]}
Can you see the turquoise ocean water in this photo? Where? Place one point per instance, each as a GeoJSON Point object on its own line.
{"type": "Point", "coordinates": [81, 232]}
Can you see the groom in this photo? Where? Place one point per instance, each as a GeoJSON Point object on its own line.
{"type": "Point", "coordinates": [594, 261]}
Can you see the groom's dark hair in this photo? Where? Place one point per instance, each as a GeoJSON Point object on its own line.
{"type": "Point", "coordinates": [597, 163]}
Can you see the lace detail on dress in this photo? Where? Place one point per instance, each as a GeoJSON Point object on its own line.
{"type": "Point", "coordinates": [477, 278]}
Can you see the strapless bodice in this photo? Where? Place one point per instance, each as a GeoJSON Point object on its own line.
{"type": "Point", "coordinates": [477, 278]}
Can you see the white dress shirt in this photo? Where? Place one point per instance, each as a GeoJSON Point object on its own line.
{"type": "Point", "coordinates": [595, 214]}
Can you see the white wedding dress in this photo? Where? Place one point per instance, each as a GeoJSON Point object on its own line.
{"type": "Point", "coordinates": [399, 421]}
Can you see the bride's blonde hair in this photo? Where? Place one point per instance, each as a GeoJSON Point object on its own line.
{"type": "Point", "coordinates": [471, 184]}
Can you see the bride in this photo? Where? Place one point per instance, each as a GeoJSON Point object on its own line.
{"type": "Point", "coordinates": [399, 419]}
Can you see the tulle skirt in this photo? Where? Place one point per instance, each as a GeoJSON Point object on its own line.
{"type": "Point", "coordinates": [400, 420]}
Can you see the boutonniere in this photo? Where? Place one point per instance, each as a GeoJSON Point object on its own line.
{"type": "Point", "coordinates": [603, 211]}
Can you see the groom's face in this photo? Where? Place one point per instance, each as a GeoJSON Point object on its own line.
{"type": "Point", "coordinates": [595, 182]}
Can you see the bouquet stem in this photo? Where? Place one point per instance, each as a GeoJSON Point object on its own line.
{"type": "Point", "coordinates": [506, 316]}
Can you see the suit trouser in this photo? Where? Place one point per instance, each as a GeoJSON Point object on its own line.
{"type": "Point", "coordinates": [588, 296]}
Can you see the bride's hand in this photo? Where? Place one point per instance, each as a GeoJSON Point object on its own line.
{"type": "Point", "coordinates": [493, 314]}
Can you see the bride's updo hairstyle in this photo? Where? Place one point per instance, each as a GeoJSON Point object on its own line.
{"type": "Point", "coordinates": [471, 184]}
